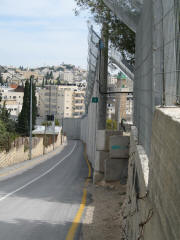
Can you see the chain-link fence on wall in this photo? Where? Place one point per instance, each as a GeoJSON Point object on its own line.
{"type": "Point", "coordinates": [122, 63]}
{"type": "Point", "coordinates": [89, 121]}
{"type": "Point", "coordinates": [126, 10]}
{"type": "Point", "coordinates": [178, 48]}
{"type": "Point", "coordinates": [157, 69]}
{"type": "Point", "coordinates": [156, 72]}
{"type": "Point", "coordinates": [93, 42]}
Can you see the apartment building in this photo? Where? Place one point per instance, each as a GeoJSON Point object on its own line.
{"type": "Point", "coordinates": [78, 103]}
{"type": "Point", "coordinates": [13, 98]}
{"type": "Point", "coordinates": [61, 101]}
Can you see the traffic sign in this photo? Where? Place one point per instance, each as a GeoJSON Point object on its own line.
{"type": "Point", "coordinates": [94, 99]}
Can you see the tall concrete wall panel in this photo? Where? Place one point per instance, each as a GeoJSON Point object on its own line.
{"type": "Point", "coordinates": [88, 132]}
{"type": "Point", "coordinates": [71, 127]}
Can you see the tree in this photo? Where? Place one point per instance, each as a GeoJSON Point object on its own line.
{"type": "Point", "coordinates": [43, 83]}
{"type": "Point", "coordinates": [1, 79]}
{"type": "Point", "coordinates": [3, 136]}
{"type": "Point", "coordinates": [4, 113]}
{"type": "Point", "coordinates": [7, 129]}
{"type": "Point", "coordinates": [23, 118]}
{"type": "Point", "coordinates": [47, 76]}
{"type": "Point", "coordinates": [121, 37]}
{"type": "Point", "coordinates": [34, 105]}
{"type": "Point", "coordinates": [51, 75]}
{"type": "Point", "coordinates": [23, 125]}
{"type": "Point", "coordinates": [111, 124]}
{"type": "Point", "coordinates": [57, 122]}
{"type": "Point", "coordinates": [58, 81]}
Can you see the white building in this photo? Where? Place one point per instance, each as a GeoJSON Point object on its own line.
{"type": "Point", "coordinates": [68, 76]}
{"type": "Point", "coordinates": [13, 99]}
{"type": "Point", "coordinates": [61, 101]}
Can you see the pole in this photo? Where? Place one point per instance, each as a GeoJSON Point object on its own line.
{"type": "Point", "coordinates": [118, 104]}
{"type": "Point", "coordinates": [103, 68]}
{"type": "Point", "coordinates": [53, 133]}
{"type": "Point", "coordinates": [44, 148]}
{"type": "Point", "coordinates": [62, 131]}
{"type": "Point", "coordinates": [30, 127]}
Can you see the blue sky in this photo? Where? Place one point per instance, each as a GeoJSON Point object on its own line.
{"type": "Point", "coordinates": [42, 32]}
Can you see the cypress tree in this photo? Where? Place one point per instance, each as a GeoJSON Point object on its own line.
{"type": "Point", "coordinates": [51, 75]}
{"type": "Point", "coordinates": [24, 116]}
{"type": "Point", "coordinates": [1, 79]}
{"type": "Point", "coordinates": [34, 105]}
{"type": "Point", "coordinates": [23, 122]}
{"type": "Point", "coordinates": [58, 80]}
{"type": "Point", "coordinates": [43, 83]}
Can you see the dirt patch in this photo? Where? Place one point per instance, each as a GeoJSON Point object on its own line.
{"type": "Point", "coordinates": [102, 220]}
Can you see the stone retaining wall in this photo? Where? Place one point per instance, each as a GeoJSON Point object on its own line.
{"type": "Point", "coordinates": [20, 154]}
{"type": "Point", "coordinates": [152, 207]}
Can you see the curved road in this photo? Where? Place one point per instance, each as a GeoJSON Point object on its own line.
{"type": "Point", "coordinates": [41, 203]}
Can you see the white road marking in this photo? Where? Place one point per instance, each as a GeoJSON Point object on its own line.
{"type": "Point", "coordinates": [37, 178]}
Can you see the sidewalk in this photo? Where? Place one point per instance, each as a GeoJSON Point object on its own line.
{"type": "Point", "coordinates": [102, 218]}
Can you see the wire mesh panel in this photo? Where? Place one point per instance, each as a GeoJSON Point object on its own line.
{"type": "Point", "coordinates": [143, 86]}
{"type": "Point", "coordinates": [127, 10]}
{"type": "Point", "coordinates": [121, 62]}
{"type": "Point", "coordinates": [177, 2]}
{"type": "Point", "coordinates": [157, 70]}
{"type": "Point", "coordinates": [93, 42]}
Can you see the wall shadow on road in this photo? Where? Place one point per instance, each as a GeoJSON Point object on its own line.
{"type": "Point", "coordinates": [37, 230]}
{"type": "Point", "coordinates": [64, 184]}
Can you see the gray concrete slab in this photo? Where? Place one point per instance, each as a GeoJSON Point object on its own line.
{"type": "Point", "coordinates": [119, 146]}
{"type": "Point", "coordinates": [116, 169]}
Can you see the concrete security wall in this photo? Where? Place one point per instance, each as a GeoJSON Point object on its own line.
{"type": "Point", "coordinates": [71, 127]}
{"type": "Point", "coordinates": [21, 154]}
{"type": "Point", "coordinates": [84, 129]}
{"type": "Point", "coordinates": [152, 207]}
{"type": "Point", "coordinates": [88, 132]}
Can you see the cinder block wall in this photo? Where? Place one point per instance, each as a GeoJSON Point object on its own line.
{"type": "Point", "coordinates": [152, 207]}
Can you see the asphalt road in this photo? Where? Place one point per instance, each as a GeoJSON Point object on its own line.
{"type": "Point", "coordinates": [41, 203]}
